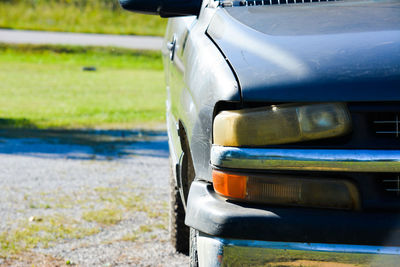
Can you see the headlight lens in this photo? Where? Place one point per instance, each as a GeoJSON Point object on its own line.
{"type": "Point", "coordinates": [281, 124]}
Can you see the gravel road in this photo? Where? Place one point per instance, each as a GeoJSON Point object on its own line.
{"type": "Point", "coordinates": [90, 39]}
{"type": "Point", "coordinates": [85, 198]}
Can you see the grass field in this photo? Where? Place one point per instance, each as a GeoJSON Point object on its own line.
{"type": "Point", "coordinates": [46, 87]}
{"type": "Point", "coordinates": [90, 16]}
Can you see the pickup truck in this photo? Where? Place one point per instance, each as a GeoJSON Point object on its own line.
{"type": "Point", "coordinates": [283, 120]}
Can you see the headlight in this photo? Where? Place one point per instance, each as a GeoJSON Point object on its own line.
{"type": "Point", "coordinates": [281, 124]}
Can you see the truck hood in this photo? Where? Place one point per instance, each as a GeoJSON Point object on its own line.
{"type": "Point", "coordinates": [315, 52]}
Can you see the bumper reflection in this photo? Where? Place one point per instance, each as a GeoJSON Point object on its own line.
{"type": "Point", "coordinates": [227, 252]}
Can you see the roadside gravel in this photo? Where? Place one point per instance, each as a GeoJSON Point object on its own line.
{"type": "Point", "coordinates": [89, 198]}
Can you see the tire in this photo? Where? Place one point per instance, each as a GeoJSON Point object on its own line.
{"type": "Point", "coordinates": [179, 232]}
{"type": "Point", "coordinates": [193, 257]}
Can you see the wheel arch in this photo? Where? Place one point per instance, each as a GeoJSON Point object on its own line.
{"type": "Point", "coordinates": [186, 169]}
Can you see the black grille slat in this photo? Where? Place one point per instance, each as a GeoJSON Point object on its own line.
{"type": "Point", "coordinates": [387, 125]}
{"type": "Point", "coordinates": [391, 185]}
{"type": "Point", "coordinates": [270, 2]}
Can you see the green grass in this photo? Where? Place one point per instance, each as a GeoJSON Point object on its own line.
{"type": "Point", "coordinates": [45, 86]}
{"type": "Point", "coordinates": [106, 216]}
{"type": "Point", "coordinates": [77, 16]}
{"type": "Point", "coordinates": [132, 237]}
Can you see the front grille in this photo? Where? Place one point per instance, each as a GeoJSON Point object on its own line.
{"type": "Point", "coordinates": [269, 2]}
{"type": "Point", "coordinates": [387, 125]}
{"type": "Point", "coordinates": [391, 184]}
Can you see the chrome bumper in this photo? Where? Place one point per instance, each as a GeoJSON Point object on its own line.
{"type": "Point", "coordinates": [306, 159]}
{"type": "Point", "coordinates": [214, 251]}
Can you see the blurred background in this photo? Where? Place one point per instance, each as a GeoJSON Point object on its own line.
{"type": "Point", "coordinates": [84, 163]}
{"type": "Point", "coordinates": [47, 86]}
{"type": "Point", "coordinates": [90, 16]}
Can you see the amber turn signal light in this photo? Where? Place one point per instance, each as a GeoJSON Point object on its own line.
{"type": "Point", "coordinates": [288, 190]}
{"type": "Point", "coordinates": [229, 185]}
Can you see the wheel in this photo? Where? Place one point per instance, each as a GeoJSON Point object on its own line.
{"type": "Point", "coordinates": [179, 232]}
{"type": "Point", "coordinates": [193, 258]}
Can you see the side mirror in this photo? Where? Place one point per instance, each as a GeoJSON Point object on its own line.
{"type": "Point", "coordinates": [164, 8]}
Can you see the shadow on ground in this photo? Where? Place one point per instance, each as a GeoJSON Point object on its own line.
{"type": "Point", "coordinates": [82, 144]}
